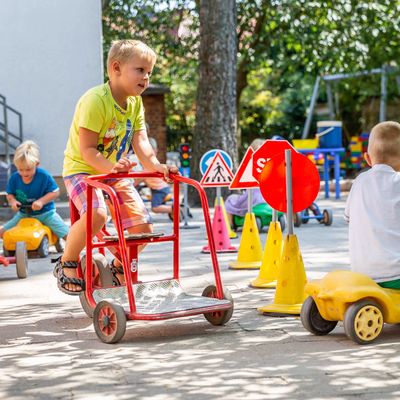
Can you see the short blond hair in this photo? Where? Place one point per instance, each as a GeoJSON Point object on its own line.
{"type": "Point", "coordinates": [124, 50]}
{"type": "Point", "coordinates": [27, 153]}
{"type": "Point", "coordinates": [384, 143]}
{"type": "Point", "coordinates": [257, 143]}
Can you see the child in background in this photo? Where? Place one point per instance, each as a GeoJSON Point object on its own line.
{"type": "Point", "coordinates": [109, 119]}
{"type": "Point", "coordinates": [373, 209]}
{"type": "Point", "coordinates": [33, 186]}
{"type": "Point", "coordinates": [236, 204]}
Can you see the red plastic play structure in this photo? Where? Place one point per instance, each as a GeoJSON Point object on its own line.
{"type": "Point", "coordinates": [111, 306]}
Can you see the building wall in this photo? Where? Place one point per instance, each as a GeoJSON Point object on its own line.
{"type": "Point", "coordinates": [51, 53]}
{"type": "Point", "coordinates": [155, 117]}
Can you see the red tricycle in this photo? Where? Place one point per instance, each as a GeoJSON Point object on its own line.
{"type": "Point", "coordinates": [111, 306]}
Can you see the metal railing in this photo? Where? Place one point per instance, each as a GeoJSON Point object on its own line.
{"type": "Point", "coordinates": [10, 139]}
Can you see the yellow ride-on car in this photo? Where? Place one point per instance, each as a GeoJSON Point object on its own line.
{"type": "Point", "coordinates": [37, 237]}
{"type": "Point", "coordinates": [353, 298]}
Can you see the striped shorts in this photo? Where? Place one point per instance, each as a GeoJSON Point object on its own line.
{"type": "Point", "coordinates": [132, 209]}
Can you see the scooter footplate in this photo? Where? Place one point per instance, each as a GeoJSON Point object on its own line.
{"type": "Point", "coordinates": [161, 297]}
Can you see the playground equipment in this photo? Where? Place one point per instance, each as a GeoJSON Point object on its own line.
{"type": "Point", "coordinates": [353, 298]}
{"type": "Point", "coordinates": [313, 212]}
{"type": "Point", "coordinates": [112, 306]}
{"type": "Point", "coordinates": [33, 233]}
{"type": "Point", "coordinates": [20, 259]}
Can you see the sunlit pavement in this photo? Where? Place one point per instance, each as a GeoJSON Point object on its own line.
{"type": "Point", "coordinates": [48, 348]}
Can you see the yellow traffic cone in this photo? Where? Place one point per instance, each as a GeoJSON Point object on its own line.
{"type": "Point", "coordinates": [289, 295]}
{"type": "Point", "coordinates": [232, 234]}
{"type": "Point", "coordinates": [250, 248]}
{"type": "Point", "coordinates": [271, 258]}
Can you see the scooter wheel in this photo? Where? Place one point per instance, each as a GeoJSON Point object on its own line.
{"type": "Point", "coordinates": [363, 321]}
{"type": "Point", "coordinates": [312, 319]}
{"type": "Point", "coordinates": [21, 260]}
{"type": "Point", "coordinates": [218, 317]}
{"type": "Point", "coordinates": [109, 322]}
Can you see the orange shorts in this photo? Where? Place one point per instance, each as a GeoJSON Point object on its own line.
{"type": "Point", "coordinates": [132, 209]}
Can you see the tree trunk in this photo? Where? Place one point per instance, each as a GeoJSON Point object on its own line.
{"type": "Point", "coordinates": [216, 96]}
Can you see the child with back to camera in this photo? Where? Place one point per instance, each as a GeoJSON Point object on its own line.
{"type": "Point", "coordinates": [109, 119]}
{"type": "Point", "coordinates": [373, 209]}
{"type": "Point", "coordinates": [35, 187]}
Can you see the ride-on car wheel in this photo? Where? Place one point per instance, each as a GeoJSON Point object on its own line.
{"type": "Point", "coordinates": [218, 317]}
{"type": "Point", "coordinates": [102, 277]}
{"type": "Point", "coordinates": [8, 253]}
{"type": "Point", "coordinates": [327, 217]}
{"type": "Point", "coordinates": [259, 224]}
{"type": "Point", "coordinates": [312, 319]}
{"type": "Point", "coordinates": [363, 321]}
{"type": "Point", "coordinates": [59, 247]}
{"type": "Point", "coordinates": [297, 219]}
{"type": "Point", "coordinates": [109, 321]}
{"type": "Point", "coordinates": [43, 249]}
{"type": "Point", "coordinates": [21, 260]}
{"type": "Point", "coordinates": [282, 221]}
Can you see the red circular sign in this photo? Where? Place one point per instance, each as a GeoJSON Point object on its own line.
{"type": "Point", "coordinates": [305, 182]}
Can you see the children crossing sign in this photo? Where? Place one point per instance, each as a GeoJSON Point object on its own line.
{"type": "Point", "coordinates": [218, 173]}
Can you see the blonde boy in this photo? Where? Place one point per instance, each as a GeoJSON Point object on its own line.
{"type": "Point", "coordinates": [107, 120]}
{"type": "Point", "coordinates": [33, 186]}
{"type": "Point", "coordinates": [373, 209]}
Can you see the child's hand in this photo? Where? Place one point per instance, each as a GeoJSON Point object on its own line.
{"type": "Point", "coordinates": [166, 169]}
{"type": "Point", "coordinates": [37, 205]}
{"type": "Point", "coordinates": [124, 164]}
{"type": "Point", "coordinates": [15, 205]}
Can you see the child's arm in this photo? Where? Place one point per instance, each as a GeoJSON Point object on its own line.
{"type": "Point", "coordinates": [88, 147]}
{"type": "Point", "coordinates": [13, 202]}
{"type": "Point", "coordinates": [47, 198]}
{"type": "Point", "coordinates": [145, 154]}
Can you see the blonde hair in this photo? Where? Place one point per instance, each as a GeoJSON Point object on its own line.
{"type": "Point", "coordinates": [256, 143]}
{"type": "Point", "coordinates": [27, 153]}
{"type": "Point", "coordinates": [384, 143]}
{"type": "Point", "coordinates": [124, 50]}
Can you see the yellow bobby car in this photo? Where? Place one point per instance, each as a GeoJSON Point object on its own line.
{"type": "Point", "coordinates": [38, 238]}
{"type": "Point", "coordinates": [353, 298]}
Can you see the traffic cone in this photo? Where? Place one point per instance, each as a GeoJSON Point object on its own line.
{"type": "Point", "coordinates": [250, 248]}
{"type": "Point", "coordinates": [232, 234]}
{"type": "Point", "coordinates": [220, 233]}
{"type": "Point", "coordinates": [289, 295]}
{"type": "Point", "coordinates": [271, 258]}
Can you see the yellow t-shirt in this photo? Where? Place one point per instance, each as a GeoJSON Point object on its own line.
{"type": "Point", "coordinates": [97, 110]}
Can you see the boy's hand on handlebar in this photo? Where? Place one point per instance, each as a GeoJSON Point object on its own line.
{"type": "Point", "coordinates": [15, 205]}
{"type": "Point", "coordinates": [124, 164]}
{"type": "Point", "coordinates": [165, 170]}
{"type": "Point", "coordinates": [37, 205]}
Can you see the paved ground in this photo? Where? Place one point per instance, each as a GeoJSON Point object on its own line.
{"type": "Point", "coordinates": [49, 350]}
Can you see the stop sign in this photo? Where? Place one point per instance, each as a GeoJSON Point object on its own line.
{"type": "Point", "coordinates": [269, 149]}
{"type": "Point", "coordinates": [305, 182]}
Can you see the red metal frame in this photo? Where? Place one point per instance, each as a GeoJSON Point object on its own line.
{"type": "Point", "coordinates": [127, 250]}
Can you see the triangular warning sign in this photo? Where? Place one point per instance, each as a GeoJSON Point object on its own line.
{"type": "Point", "coordinates": [244, 175]}
{"type": "Point", "coordinates": [218, 173]}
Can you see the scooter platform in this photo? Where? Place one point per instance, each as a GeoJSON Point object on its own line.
{"type": "Point", "coordinates": [161, 298]}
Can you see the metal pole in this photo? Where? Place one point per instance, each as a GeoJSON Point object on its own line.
{"type": "Point", "coordinates": [249, 200]}
{"type": "Point", "coordinates": [330, 101]}
{"type": "Point", "coordinates": [289, 193]}
{"type": "Point", "coordinates": [274, 215]}
{"type": "Point", "coordinates": [382, 111]}
{"type": "Point", "coordinates": [185, 204]}
{"type": "Point", "coordinates": [218, 196]}
{"type": "Point", "coordinates": [313, 100]}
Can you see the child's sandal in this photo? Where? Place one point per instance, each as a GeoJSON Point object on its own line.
{"type": "Point", "coordinates": [116, 270]}
{"type": "Point", "coordinates": [63, 280]}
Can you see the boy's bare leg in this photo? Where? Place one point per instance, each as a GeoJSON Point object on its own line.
{"type": "Point", "coordinates": [77, 241]}
{"type": "Point", "coordinates": [163, 208]}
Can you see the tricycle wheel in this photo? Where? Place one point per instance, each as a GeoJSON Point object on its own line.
{"type": "Point", "coordinates": [21, 260]}
{"type": "Point", "coordinates": [282, 221]}
{"type": "Point", "coordinates": [102, 277]}
{"type": "Point", "coordinates": [305, 215]}
{"type": "Point", "coordinates": [218, 317]}
{"type": "Point", "coordinates": [312, 319]}
{"type": "Point", "coordinates": [43, 250]}
{"type": "Point", "coordinates": [109, 321]}
{"type": "Point", "coordinates": [327, 217]}
{"type": "Point", "coordinates": [363, 321]}
{"type": "Point", "coordinates": [297, 219]}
